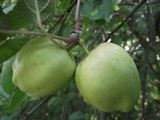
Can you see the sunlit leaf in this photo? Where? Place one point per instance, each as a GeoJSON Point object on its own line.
{"type": "Point", "coordinates": [6, 76]}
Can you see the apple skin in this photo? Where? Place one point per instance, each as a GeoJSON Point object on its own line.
{"type": "Point", "coordinates": [41, 68]}
{"type": "Point", "coordinates": [108, 79]}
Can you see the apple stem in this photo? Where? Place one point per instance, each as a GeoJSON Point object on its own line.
{"type": "Point", "coordinates": [83, 46]}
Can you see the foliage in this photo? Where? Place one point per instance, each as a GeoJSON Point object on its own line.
{"type": "Point", "coordinates": [139, 35]}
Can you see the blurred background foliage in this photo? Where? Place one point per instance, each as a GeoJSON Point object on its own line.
{"type": "Point", "coordinates": [100, 19]}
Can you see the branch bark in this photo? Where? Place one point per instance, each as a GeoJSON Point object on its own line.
{"type": "Point", "coordinates": [64, 16]}
{"type": "Point", "coordinates": [125, 20]}
{"type": "Point", "coordinates": [146, 67]}
{"type": "Point", "coordinates": [76, 33]}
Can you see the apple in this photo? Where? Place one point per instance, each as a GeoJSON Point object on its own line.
{"type": "Point", "coordinates": [41, 68]}
{"type": "Point", "coordinates": [108, 79]}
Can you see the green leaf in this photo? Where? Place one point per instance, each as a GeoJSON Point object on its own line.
{"type": "Point", "coordinates": [11, 47]}
{"type": "Point", "coordinates": [77, 116]}
{"type": "Point", "coordinates": [55, 101]}
{"type": "Point", "coordinates": [46, 7]}
{"type": "Point", "coordinates": [17, 99]}
{"type": "Point", "coordinates": [100, 21]}
{"type": "Point", "coordinates": [6, 77]}
{"type": "Point", "coordinates": [97, 9]}
{"type": "Point", "coordinates": [3, 94]}
{"type": "Point", "coordinates": [16, 17]}
{"type": "Point", "coordinates": [117, 39]}
{"type": "Point", "coordinates": [64, 4]}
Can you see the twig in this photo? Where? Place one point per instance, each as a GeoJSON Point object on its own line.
{"type": "Point", "coordinates": [33, 33]}
{"type": "Point", "coordinates": [146, 67]}
{"type": "Point", "coordinates": [127, 115]}
{"type": "Point", "coordinates": [77, 16]}
{"type": "Point", "coordinates": [124, 21]}
{"type": "Point", "coordinates": [63, 17]}
{"type": "Point", "coordinates": [143, 87]}
{"type": "Point", "coordinates": [124, 4]}
{"type": "Point", "coordinates": [63, 114]}
{"type": "Point", "coordinates": [36, 107]}
{"type": "Point", "coordinates": [132, 4]}
{"type": "Point", "coordinates": [82, 45]}
{"type": "Point", "coordinates": [76, 33]}
{"type": "Point", "coordinates": [103, 115]}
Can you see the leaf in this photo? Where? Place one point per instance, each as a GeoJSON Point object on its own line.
{"type": "Point", "coordinates": [6, 77]}
{"type": "Point", "coordinates": [97, 9]}
{"type": "Point", "coordinates": [77, 116]}
{"type": "Point", "coordinates": [55, 101]}
{"type": "Point", "coordinates": [3, 94]}
{"type": "Point", "coordinates": [9, 8]}
{"type": "Point", "coordinates": [46, 7]}
{"type": "Point", "coordinates": [11, 47]}
{"type": "Point", "coordinates": [64, 4]}
{"type": "Point", "coordinates": [17, 99]}
{"type": "Point", "coordinates": [117, 39]}
{"type": "Point", "coordinates": [17, 18]}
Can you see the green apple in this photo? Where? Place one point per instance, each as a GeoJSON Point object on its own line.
{"type": "Point", "coordinates": [108, 79]}
{"type": "Point", "coordinates": [41, 68]}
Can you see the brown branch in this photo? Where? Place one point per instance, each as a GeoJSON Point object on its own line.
{"type": "Point", "coordinates": [146, 67]}
{"type": "Point", "coordinates": [63, 17]}
{"type": "Point", "coordinates": [68, 11]}
{"type": "Point", "coordinates": [125, 20]}
{"type": "Point", "coordinates": [76, 33]}
{"type": "Point", "coordinates": [77, 16]}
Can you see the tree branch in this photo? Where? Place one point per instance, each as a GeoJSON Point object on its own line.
{"type": "Point", "coordinates": [132, 4]}
{"type": "Point", "coordinates": [33, 33]}
{"type": "Point", "coordinates": [76, 33]}
{"type": "Point", "coordinates": [124, 21]}
{"type": "Point", "coordinates": [64, 15]}
{"type": "Point", "coordinates": [146, 67]}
